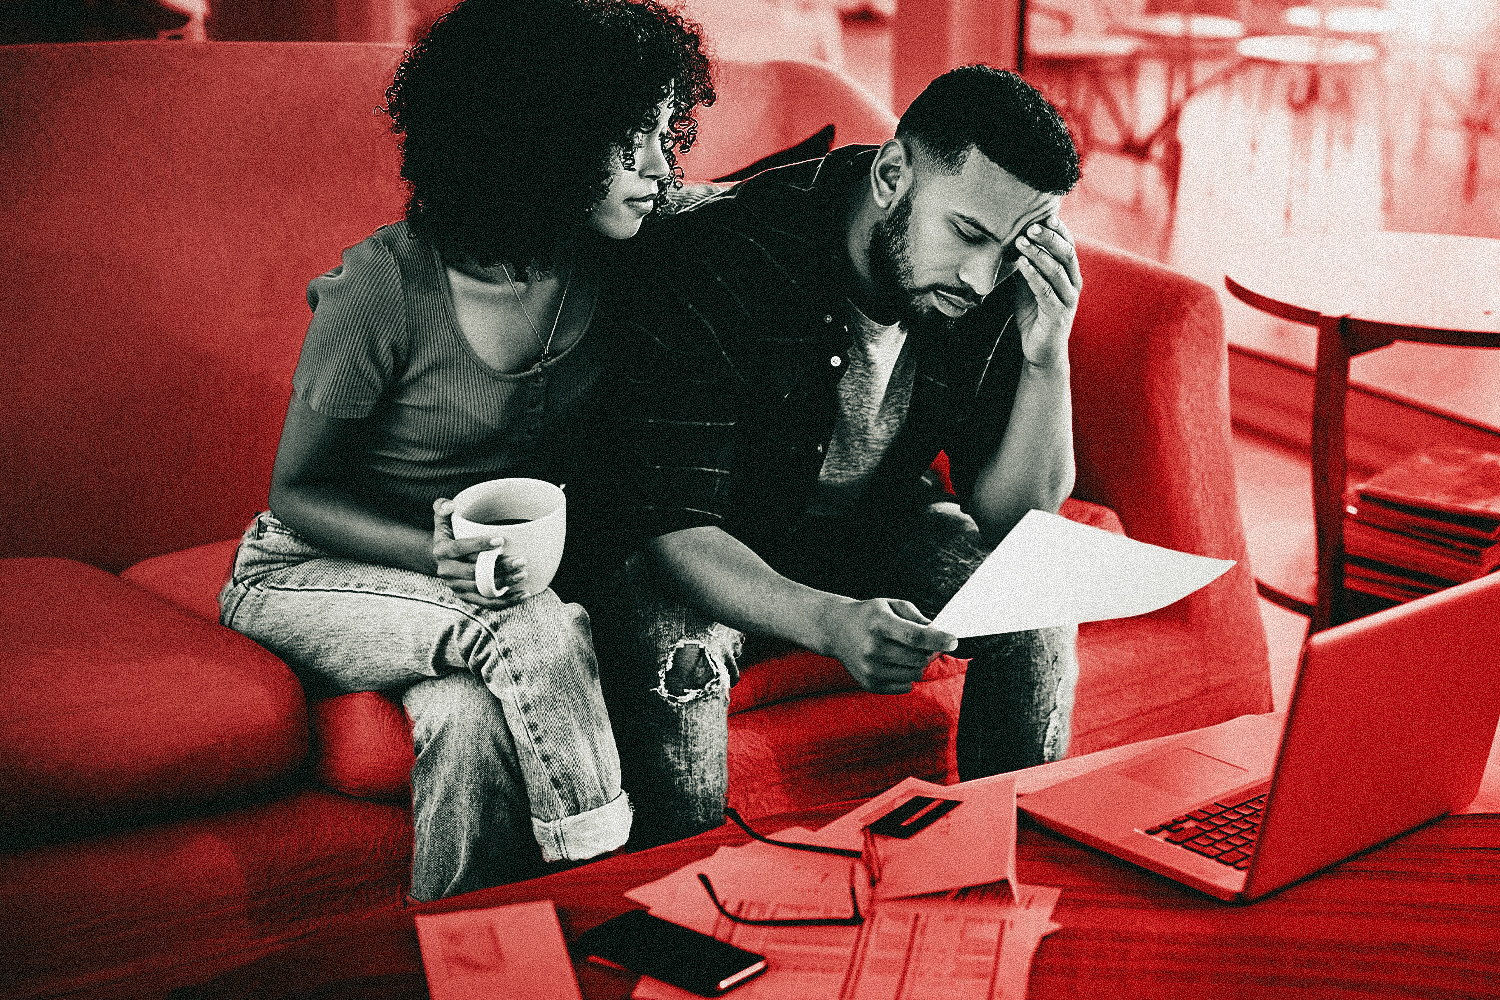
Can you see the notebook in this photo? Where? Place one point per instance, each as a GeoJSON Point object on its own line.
{"type": "Point", "coordinates": [1389, 726]}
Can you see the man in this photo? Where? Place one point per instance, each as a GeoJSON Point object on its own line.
{"type": "Point", "coordinates": [797, 352]}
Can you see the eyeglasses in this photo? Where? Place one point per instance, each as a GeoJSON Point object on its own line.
{"type": "Point", "coordinates": [854, 919]}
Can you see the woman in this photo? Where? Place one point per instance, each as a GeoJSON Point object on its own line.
{"type": "Point", "coordinates": [452, 348]}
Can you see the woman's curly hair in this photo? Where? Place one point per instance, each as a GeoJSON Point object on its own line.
{"type": "Point", "coordinates": [511, 113]}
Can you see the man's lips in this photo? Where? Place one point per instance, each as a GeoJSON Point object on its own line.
{"type": "Point", "coordinates": [956, 303]}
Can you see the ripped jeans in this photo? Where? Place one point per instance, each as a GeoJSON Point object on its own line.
{"type": "Point", "coordinates": [668, 669]}
{"type": "Point", "coordinates": [515, 760]}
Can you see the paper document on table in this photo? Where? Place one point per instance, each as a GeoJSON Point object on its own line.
{"type": "Point", "coordinates": [999, 932]}
{"type": "Point", "coordinates": [992, 923]}
{"type": "Point", "coordinates": [1052, 571]}
{"type": "Point", "coordinates": [759, 881]}
{"type": "Point", "coordinates": [756, 874]}
{"type": "Point", "coordinates": [510, 951]}
{"type": "Point", "coordinates": [972, 845]}
{"type": "Point", "coordinates": [971, 948]}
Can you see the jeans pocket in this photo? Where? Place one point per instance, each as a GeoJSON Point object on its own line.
{"type": "Point", "coordinates": [267, 547]}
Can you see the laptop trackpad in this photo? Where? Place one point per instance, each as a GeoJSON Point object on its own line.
{"type": "Point", "coordinates": [1185, 773]}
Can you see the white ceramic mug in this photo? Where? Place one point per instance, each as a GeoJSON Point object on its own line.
{"type": "Point", "coordinates": [530, 514]}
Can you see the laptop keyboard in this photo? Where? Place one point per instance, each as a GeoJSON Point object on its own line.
{"type": "Point", "coordinates": [1224, 832]}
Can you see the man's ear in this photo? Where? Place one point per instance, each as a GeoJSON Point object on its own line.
{"type": "Point", "coordinates": [891, 175]}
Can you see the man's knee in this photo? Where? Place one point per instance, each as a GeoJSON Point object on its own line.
{"type": "Point", "coordinates": [689, 671]}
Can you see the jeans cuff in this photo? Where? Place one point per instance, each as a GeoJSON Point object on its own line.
{"type": "Point", "coordinates": [586, 835]}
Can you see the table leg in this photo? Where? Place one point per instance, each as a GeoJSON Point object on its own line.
{"type": "Point", "coordinates": [1330, 467]}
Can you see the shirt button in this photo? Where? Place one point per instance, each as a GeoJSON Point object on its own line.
{"type": "Point", "coordinates": [835, 361]}
{"type": "Point", "coordinates": [828, 318]}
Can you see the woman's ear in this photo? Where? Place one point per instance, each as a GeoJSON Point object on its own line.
{"type": "Point", "coordinates": [891, 173]}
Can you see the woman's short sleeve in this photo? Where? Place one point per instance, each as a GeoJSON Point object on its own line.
{"type": "Point", "coordinates": [354, 342]}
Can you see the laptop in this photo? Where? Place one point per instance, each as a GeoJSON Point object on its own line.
{"type": "Point", "coordinates": [1389, 726]}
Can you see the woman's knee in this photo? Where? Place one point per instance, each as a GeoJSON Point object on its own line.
{"type": "Point", "coordinates": [538, 638]}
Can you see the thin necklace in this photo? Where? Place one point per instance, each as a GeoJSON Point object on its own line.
{"type": "Point", "coordinates": [536, 334]}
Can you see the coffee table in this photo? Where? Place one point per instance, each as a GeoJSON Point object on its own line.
{"type": "Point", "coordinates": [1418, 916]}
{"type": "Point", "coordinates": [1362, 292]}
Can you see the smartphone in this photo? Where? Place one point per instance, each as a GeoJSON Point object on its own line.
{"type": "Point", "coordinates": [681, 956]}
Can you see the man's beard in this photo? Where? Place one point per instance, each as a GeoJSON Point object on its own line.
{"type": "Point", "coordinates": [895, 279]}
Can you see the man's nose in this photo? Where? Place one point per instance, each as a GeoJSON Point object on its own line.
{"type": "Point", "coordinates": [981, 271]}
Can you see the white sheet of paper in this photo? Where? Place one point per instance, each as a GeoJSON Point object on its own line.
{"type": "Point", "coordinates": [1052, 571]}
{"type": "Point", "coordinates": [999, 921]}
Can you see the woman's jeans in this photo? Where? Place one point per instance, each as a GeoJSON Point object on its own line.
{"type": "Point", "coordinates": [515, 760]}
{"type": "Point", "coordinates": [668, 669]}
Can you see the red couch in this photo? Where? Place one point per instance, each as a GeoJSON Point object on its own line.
{"type": "Point", "coordinates": [170, 804]}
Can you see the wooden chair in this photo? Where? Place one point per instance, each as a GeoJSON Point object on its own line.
{"type": "Point", "coordinates": [1093, 75]}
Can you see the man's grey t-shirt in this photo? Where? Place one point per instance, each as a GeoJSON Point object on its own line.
{"type": "Point", "coordinates": [873, 397]}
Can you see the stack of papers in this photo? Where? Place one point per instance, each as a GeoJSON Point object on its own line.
{"type": "Point", "coordinates": [968, 949]}
{"type": "Point", "coordinates": [1427, 522]}
{"type": "Point", "coordinates": [947, 916]}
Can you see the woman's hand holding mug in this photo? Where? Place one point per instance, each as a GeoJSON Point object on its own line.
{"type": "Point", "coordinates": [505, 537]}
{"type": "Point", "coordinates": [459, 563]}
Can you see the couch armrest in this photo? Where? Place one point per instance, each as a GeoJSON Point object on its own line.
{"type": "Point", "coordinates": [1152, 434]}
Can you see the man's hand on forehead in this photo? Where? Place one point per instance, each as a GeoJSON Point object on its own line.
{"type": "Point", "coordinates": [1048, 265]}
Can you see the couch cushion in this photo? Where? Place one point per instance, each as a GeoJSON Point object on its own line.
{"type": "Point", "coordinates": [361, 742]}
{"type": "Point", "coordinates": [776, 672]}
{"type": "Point", "coordinates": [190, 579]}
{"type": "Point", "coordinates": [137, 913]}
{"type": "Point", "coordinates": [119, 705]}
{"type": "Point", "coordinates": [362, 746]}
{"type": "Point", "coordinates": [808, 751]}
{"type": "Point", "coordinates": [1092, 514]}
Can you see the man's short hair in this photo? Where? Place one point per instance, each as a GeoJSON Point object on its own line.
{"type": "Point", "coordinates": [1001, 115]}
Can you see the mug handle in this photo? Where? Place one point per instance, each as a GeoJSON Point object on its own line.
{"type": "Point", "coordinates": [484, 573]}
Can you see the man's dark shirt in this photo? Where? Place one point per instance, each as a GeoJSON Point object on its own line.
{"type": "Point", "coordinates": [731, 339]}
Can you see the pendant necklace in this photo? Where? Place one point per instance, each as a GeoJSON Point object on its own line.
{"type": "Point", "coordinates": [536, 334]}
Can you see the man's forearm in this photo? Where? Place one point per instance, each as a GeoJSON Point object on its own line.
{"type": "Point", "coordinates": [1033, 467]}
{"type": "Point", "coordinates": [722, 577]}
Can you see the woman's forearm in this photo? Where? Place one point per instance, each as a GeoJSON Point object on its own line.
{"type": "Point", "coordinates": [332, 520]}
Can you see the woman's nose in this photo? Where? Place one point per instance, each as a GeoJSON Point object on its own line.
{"type": "Point", "coordinates": [651, 161]}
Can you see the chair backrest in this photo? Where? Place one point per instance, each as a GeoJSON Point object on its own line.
{"type": "Point", "coordinates": [165, 205]}
{"type": "Point", "coordinates": [764, 107]}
